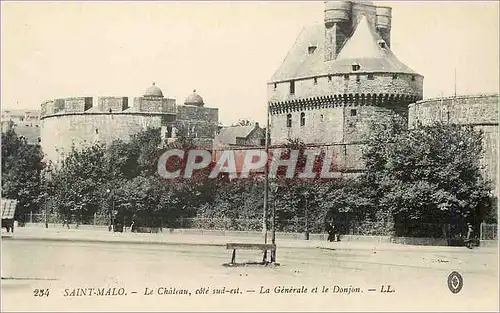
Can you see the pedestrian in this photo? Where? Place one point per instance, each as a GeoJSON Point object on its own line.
{"type": "Point", "coordinates": [66, 222]}
{"type": "Point", "coordinates": [331, 231]}
{"type": "Point", "coordinates": [470, 235]}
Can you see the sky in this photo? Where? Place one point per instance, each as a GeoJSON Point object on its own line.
{"type": "Point", "coordinates": [227, 51]}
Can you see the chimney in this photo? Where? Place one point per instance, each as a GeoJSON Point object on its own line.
{"type": "Point", "coordinates": [337, 24]}
{"type": "Point", "coordinates": [384, 16]}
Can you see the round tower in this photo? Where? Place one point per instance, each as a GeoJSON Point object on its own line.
{"type": "Point", "coordinates": [337, 26]}
{"type": "Point", "coordinates": [384, 16]}
{"type": "Point", "coordinates": [337, 12]}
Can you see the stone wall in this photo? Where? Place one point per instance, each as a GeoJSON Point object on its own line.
{"type": "Point", "coordinates": [200, 122]}
{"type": "Point", "coordinates": [107, 105]}
{"type": "Point", "coordinates": [382, 83]}
{"type": "Point", "coordinates": [324, 125]}
{"type": "Point", "coordinates": [480, 111]}
{"type": "Point", "coordinates": [60, 132]}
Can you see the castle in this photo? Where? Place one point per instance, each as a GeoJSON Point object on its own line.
{"type": "Point", "coordinates": [337, 76]}
{"type": "Point", "coordinates": [80, 121]}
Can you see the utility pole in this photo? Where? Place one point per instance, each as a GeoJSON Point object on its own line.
{"type": "Point", "coordinates": [266, 180]}
{"type": "Point", "coordinates": [455, 82]}
{"type": "Point", "coordinates": [306, 216]}
{"type": "Point", "coordinates": [275, 188]}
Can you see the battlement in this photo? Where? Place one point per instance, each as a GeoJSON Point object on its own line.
{"type": "Point", "coordinates": [348, 85]}
{"type": "Point", "coordinates": [479, 109]}
{"type": "Point", "coordinates": [107, 105]}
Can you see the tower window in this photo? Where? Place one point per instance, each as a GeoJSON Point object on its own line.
{"type": "Point", "coordinates": [275, 86]}
{"type": "Point", "coordinates": [354, 112]}
{"type": "Point", "coordinates": [346, 77]}
{"type": "Point", "coordinates": [289, 120]}
{"type": "Point", "coordinates": [394, 76]}
{"type": "Point", "coordinates": [370, 76]}
{"type": "Point", "coordinates": [315, 80]}
{"type": "Point", "coordinates": [321, 117]}
{"type": "Point", "coordinates": [302, 119]}
{"type": "Point", "coordinates": [292, 87]}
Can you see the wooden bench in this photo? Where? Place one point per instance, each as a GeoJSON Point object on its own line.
{"type": "Point", "coordinates": [250, 246]}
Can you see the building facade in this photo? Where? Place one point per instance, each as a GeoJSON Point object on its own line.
{"type": "Point", "coordinates": [80, 121]}
{"type": "Point", "coordinates": [337, 77]}
{"type": "Point", "coordinates": [26, 123]}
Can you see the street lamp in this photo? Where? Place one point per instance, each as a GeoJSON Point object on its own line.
{"type": "Point", "coordinates": [306, 215]}
{"type": "Point", "coordinates": [112, 209]}
{"type": "Point", "coordinates": [46, 196]}
{"type": "Point", "coordinates": [275, 188]}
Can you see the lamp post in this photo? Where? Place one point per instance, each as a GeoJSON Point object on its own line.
{"type": "Point", "coordinates": [48, 178]}
{"type": "Point", "coordinates": [266, 183]}
{"type": "Point", "coordinates": [306, 215]}
{"type": "Point", "coordinates": [112, 209]}
{"type": "Point", "coordinates": [46, 196]}
{"type": "Point", "coordinates": [273, 221]}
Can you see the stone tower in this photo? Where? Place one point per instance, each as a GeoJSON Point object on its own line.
{"type": "Point", "coordinates": [336, 77]}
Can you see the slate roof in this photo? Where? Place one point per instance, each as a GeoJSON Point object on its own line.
{"type": "Point", "coordinates": [228, 135]}
{"type": "Point", "coordinates": [362, 48]}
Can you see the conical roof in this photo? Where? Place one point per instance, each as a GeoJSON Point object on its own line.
{"type": "Point", "coordinates": [365, 47]}
{"type": "Point", "coordinates": [363, 44]}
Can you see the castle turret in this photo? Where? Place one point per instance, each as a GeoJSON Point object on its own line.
{"type": "Point", "coordinates": [384, 24]}
{"type": "Point", "coordinates": [337, 27]}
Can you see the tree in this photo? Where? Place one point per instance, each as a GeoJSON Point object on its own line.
{"type": "Point", "coordinates": [243, 122]}
{"type": "Point", "coordinates": [427, 177]}
{"type": "Point", "coordinates": [80, 183]}
{"type": "Point", "coordinates": [21, 173]}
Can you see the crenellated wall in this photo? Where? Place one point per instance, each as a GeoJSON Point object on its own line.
{"type": "Point", "coordinates": [382, 83]}
{"type": "Point", "coordinates": [60, 132]}
{"type": "Point", "coordinates": [80, 121]}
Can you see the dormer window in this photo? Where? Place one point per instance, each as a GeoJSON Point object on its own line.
{"type": "Point", "coordinates": [356, 67]}
{"type": "Point", "coordinates": [413, 78]}
{"type": "Point", "coordinates": [382, 44]}
{"type": "Point", "coordinates": [311, 49]}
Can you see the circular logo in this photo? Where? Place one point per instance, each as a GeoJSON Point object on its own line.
{"type": "Point", "coordinates": [455, 282]}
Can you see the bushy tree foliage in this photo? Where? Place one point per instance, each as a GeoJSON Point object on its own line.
{"type": "Point", "coordinates": [21, 173]}
{"type": "Point", "coordinates": [427, 177]}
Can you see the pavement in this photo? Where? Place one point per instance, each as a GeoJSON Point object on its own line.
{"type": "Point", "coordinates": [167, 238]}
{"type": "Point", "coordinates": [65, 262]}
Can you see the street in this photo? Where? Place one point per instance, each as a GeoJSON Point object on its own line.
{"type": "Point", "coordinates": [120, 276]}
